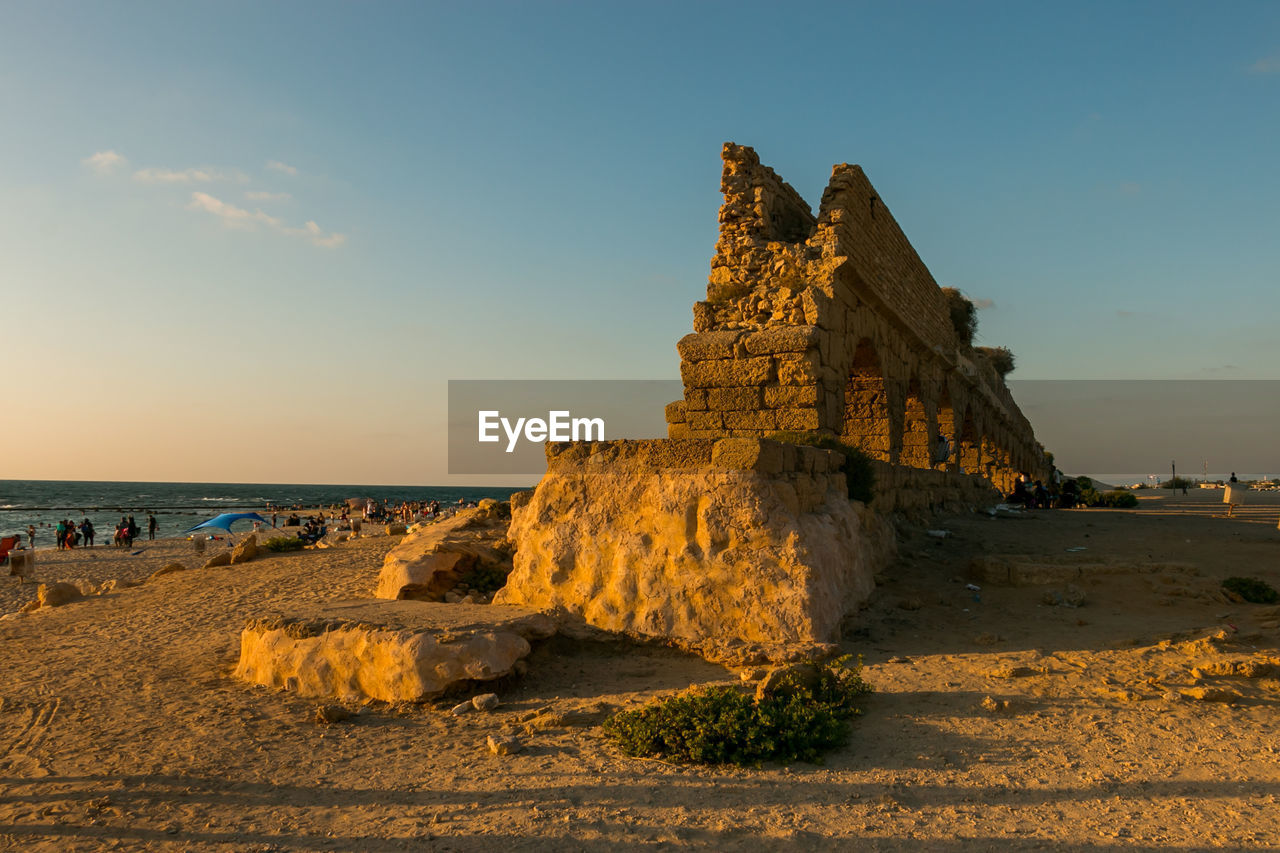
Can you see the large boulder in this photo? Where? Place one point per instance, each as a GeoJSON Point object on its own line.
{"type": "Point", "coordinates": [430, 561]}
{"type": "Point", "coordinates": [697, 540]}
{"type": "Point", "coordinates": [390, 651]}
{"type": "Point", "coordinates": [223, 559]}
{"type": "Point", "coordinates": [57, 594]}
{"type": "Point", "coordinates": [246, 550]}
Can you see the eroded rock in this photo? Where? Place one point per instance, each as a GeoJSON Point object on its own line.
{"type": "Point", "coordinates": [246, 550]}
{"type": "Point", "coordinates": [431, 561]}
{"type": "Point", "coordinates": [390, 651]}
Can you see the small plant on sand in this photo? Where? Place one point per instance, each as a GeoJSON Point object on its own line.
{"type": "Point", "coordinates": [283, 543]}
{"type": "Point", "coordinates": [798, 719]}
{"type": "Point", "coordinates": [1110, 500]}
{"type": "Point", "coordinates": [1252, 590]}
{"type": "Point", "coordinates": [859, 476]}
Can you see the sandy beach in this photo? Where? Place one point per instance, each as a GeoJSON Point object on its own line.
{"type": "Point", "coordinates": [999, 721]}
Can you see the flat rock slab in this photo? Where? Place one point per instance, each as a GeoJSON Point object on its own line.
{"type": "Point", "coordinates": [394, 651]}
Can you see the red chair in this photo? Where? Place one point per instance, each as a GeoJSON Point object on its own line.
{"type": "Point", "coordinates": [7, 544]}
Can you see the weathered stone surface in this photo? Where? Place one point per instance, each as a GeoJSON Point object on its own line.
{"type": "Point", "coordinates": [57, 594]}
{"type": "Point", "coordinates": [223, 559]}
{"type": "Point", "coordinates": [504, 744]}
{"type": "Point", "coordinates": [385, 650]}
{"type": "Point", "coordinates": [430, 561]}
{"type": "Point", "coordinates": [782, 339]}
{"type": "Point", "coordinates": [246, 550]}
{"type": "Point", "coordinates": [841, 306]}
{"type": "Point", "coordinates": [397, 529]}
{"type": "Point", "coordinates": [695, 554]}
{"type": "Point", "coordinates": [485, 701]}
{"type": "Point", "coordinates": [167, 569]}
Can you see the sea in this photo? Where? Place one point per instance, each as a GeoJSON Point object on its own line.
{"type": "Point", "coordinates": [180, 506]}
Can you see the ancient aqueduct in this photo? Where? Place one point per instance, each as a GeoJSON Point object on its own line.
{"type": "Point", "coordinates": [833, 323]}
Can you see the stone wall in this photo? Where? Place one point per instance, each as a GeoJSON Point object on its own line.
{"type": "Point", "coordinates": [833, 324]}
{"type": "Point", "coordinates": [731, 539]}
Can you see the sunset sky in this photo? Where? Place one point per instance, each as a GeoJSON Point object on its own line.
{"type": "Point", "coordinates": [245, 241]}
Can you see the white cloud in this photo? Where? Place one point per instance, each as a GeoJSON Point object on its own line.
{"type": "Point", "coordinates": [260, 195]}
{"type": "Point", "coordinates": [105, 162]}
{"type": "Point", "coordinates": [1267, 65]}
{"type": "Point", "coordinates": [187, 176]}
{"type": "Point", "coordinates": [238, 217]}
{"type": "Point", "coordinates": [276, 165]}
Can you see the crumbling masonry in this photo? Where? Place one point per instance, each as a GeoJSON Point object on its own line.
{"type": "Point", "coordinates": [723, 536]}
{"type": "Point", "coordinates": [833, 324]}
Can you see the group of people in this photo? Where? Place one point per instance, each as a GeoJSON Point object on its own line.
{"type": "Point", "coordinates": [1036, 495]}
{"type": "Point", "coordinates": [67, 534]}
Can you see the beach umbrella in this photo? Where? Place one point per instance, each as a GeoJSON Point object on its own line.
{"type": "Point", "coordinates": [224, 521]}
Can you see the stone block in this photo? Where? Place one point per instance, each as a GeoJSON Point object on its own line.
{"type": "Point", "coordinates": [705, 346]}
{"type": "Point", "coordinates": [760, 420]}
{"type": "Point", "coordinates": [705, 420]}
{"type": "Point", "coordinates": [389, 651]}
{"type": "Point", "coordinates": [796, 419]}
{"type": "Point", "coordinates": [798, 368]}
{"type": "Point", "coordinates": [704, 316]}
{"type": "Point", "coordinates": [695, 400]}
{"type": "Point", "coordinates": [727, 372]}
{"type": "Point", "coordinates": [782, 339]}
{"type": "Point", "coordinates": [791, 396]}
{"type": "Point", "coordinates": [747, 454]}
{"type": "Point", "coordinates": [734, 399]}
{"type": "Point", "coordinates": [676, 412]}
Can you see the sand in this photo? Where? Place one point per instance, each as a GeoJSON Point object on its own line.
{"type": "Point", "coordinates": [1000, 721]}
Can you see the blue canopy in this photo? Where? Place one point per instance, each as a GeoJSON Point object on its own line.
{"type": "Point", "coordinates": [225, 520]}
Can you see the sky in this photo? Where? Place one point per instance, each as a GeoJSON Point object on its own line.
{"type": "Point", "coordinates": [245, 241]}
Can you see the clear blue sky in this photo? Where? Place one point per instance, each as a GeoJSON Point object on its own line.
{"type": "Point", "coordinates": [529, 190]}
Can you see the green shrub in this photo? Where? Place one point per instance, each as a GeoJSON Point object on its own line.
{"type": "Point", "coordinates": [1252, 590]}
{"type": "Point", "coordinates": [1001, 358]}
{"type": "Point", "coordinates": [1178, 483]}
{"type": "Point", "coordinates": [859, 476]}
{"type": "Point", "coordinates": [1112, 500]}
{"type": "Point", "coordinates": [723, 725]}
{"type": "Point", "coordinates": [283, 543]}
{"type": "Point", "coordinates": [963, 313]}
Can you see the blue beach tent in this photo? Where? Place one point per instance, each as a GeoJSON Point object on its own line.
{"type": "Point", "coordinates": [225, 520]}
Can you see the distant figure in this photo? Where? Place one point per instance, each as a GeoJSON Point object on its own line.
{"type": "Point", "coordinates": [60, 533]}
{"type": "Point", "coordinates": [1233, 477]}
{"type": "Point", "coordinates": [86, 530]}
{"type": "Point", "coordinates": [941, 450]}
{"type": "Point", "coordinates": [152, 524]}
{"type": "Point", "coordinates": [31, 535]}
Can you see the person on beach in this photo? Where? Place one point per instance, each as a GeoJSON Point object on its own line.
{"type": "Point", "coordinates": [151, 526]}
{"type": "Point", "coordinates": [86, 533]}
{"type": "Point", "coordinates": [31, 536]}
{"type": "Point", "coordinates": [60, 535]}
{"type": "Point", "coordinates": [1233, 477]}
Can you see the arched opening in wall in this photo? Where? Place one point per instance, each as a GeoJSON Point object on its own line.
{"type": "Point", "coordinates": [915, 430]}
{"type": "Point", "coordinates": [969, 445]}
{"type": "Point", "coordinates": [866, 404]}
{"type": "Point", "coordinates": [947, 445]}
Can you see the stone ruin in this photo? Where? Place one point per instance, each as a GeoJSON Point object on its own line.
{"type": "Point", "coordinates": [828, 325]}
{"type": "Point", "coordinates": [728, 537]}
{"type": "Point", "coordinates": [833, 324]}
